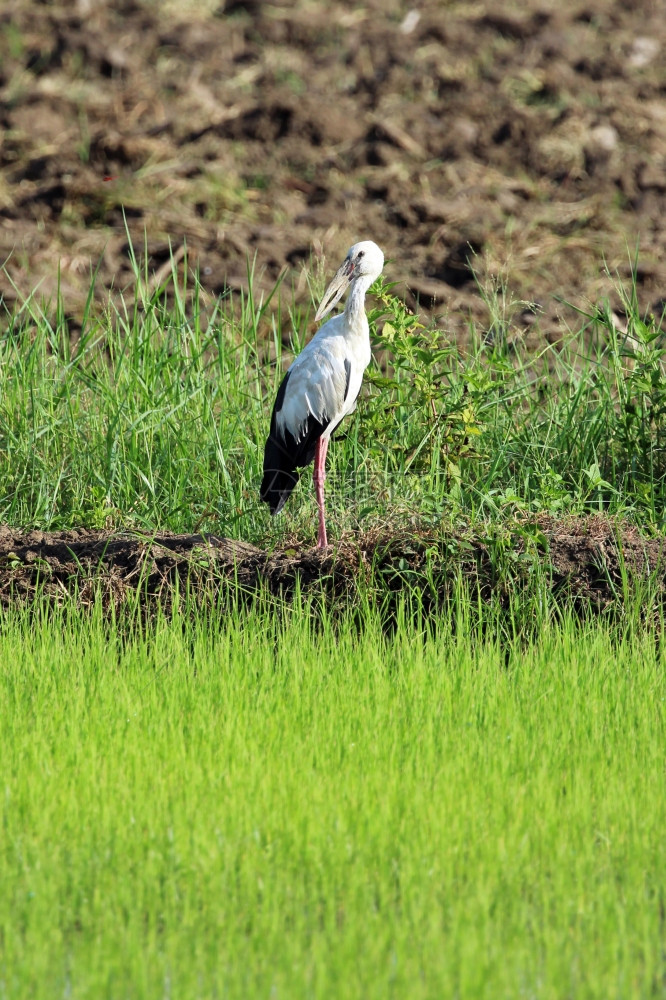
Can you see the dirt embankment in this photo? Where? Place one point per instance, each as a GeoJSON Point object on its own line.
{"type": "Point", "coordinates": [532, 135]}
{"type": "Point", "coordinates": [588, 559]}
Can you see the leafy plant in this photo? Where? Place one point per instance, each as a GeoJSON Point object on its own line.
{"type": "Point", "coordinates": [437, 412]}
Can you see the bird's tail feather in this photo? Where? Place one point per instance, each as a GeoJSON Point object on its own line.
{"type": "Point", "coordinates": [280, 477]}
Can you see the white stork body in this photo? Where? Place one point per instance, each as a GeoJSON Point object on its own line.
{"type": "Point", "coordinates": [321, 386]}
{"type": "Point", "coordinates": [318, 380]}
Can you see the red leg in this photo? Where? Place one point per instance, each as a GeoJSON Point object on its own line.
{"type": "Point", "coordinates": [319, 480]}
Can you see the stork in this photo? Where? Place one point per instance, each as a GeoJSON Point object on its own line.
{"type": "Point", "coordinates": [321, 386]}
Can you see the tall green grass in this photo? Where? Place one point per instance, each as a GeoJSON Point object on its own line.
{"type": "Point", "coordinates": [271, 805]}
{"type": "Point", "coordinates": [155, 415]}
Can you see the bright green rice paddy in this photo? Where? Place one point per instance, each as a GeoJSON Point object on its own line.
{"type": "Point", "coordinates": [262, 808]}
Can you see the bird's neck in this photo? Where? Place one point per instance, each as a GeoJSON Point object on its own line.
{"type": "Point", "coordinates": [355, 307]}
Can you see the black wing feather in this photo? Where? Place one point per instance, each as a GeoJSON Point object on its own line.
{"type": "Point", "coordinates": [283, 455]}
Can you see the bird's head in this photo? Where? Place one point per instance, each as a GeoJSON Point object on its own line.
{"type": "Point", "coordinates": [364, 259]}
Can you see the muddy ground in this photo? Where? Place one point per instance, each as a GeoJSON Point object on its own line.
{"type": "Point", "coordinates": [588, 562]}
{"type": "Point", "coordinates": [526, 139]}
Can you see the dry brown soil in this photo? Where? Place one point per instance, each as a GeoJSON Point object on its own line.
{"type": "Point", "coordinates": [532, 134]}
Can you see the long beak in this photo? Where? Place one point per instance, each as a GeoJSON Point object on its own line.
{"type": "Point", "coordinates": [336, 289]}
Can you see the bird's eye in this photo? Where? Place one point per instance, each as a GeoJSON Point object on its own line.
{"type": "Point", "coordinates": [360, 254]}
